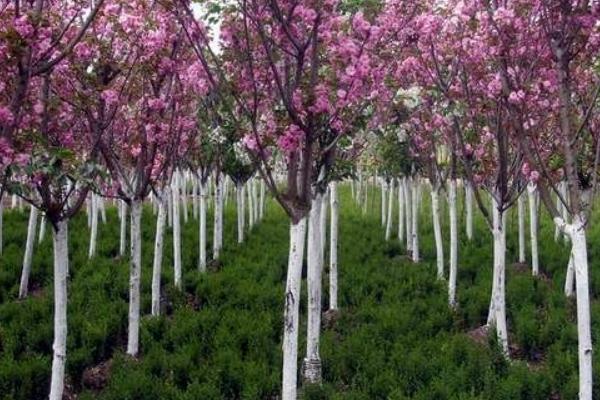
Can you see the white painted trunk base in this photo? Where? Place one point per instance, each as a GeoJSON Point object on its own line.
{"type": "Point", "coordinates": [135, 271]}
{"type": "Point", "coordinates": [333, 247]}
{"type": "Point", "coordinates": [28, 257]}
{"type": "Point", "coordinates": [59, 347]}
{"type": "Point", "coordinates": [158, 255]}
{"type": "Point", "coordinates": [292, 311]}
{"type": "Point", "coordinates": [453, 211]}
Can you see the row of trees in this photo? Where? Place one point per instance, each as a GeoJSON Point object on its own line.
{"type": "Point", "coordinates": [117, 98]}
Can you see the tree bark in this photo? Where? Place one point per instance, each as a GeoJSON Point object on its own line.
{"type": "Point", "coordinates": [390, 211]}
{"type": "Point", "coordinates": [28, 257]}
{"type": "Point", "coordinates": [333, 247]}
{"type": "Point", "coordinates": [521, 218]}
{"type": "Point", "coordinates": [291, 311]}
{"type": "Point", "coordinates": [415, 221]}
{"type": "Point", "coordinates": [469, 211]}
{"type": "Point", "coordinates": [533, 227]}
{"type": "Point", "coordinates": [452, 197]}
{"type": "Point", "coordinates": [176, 230]}
{"type": "Point", "coordinates": [94, 227]}
{"type": "Point", "coordinates": [437, 231]}
{"type": "Point", "coordinates": [135, 272]}
{"type": "Point", "coordinates": [202, 227]}
{"type": "Point", "coordinates": [312, 361]}
{"type": "Point", "coordinates": [123, 228]}
{"type": "Point", "coordinates": [59, 347]}
{"type": "Point", "coordinates": [158, 253]}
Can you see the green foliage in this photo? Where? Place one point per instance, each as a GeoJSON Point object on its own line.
{"type": "Point", "coordinates": [221, 339]}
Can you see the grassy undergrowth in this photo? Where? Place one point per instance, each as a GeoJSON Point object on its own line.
{"type": "Point", "coordinates": [221, 338]}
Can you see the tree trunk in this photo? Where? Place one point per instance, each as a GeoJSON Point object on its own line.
{"type": "Point", "coordinates": [59, 347]}
{"type": "Point", "coordinates": [415, 221]}
{"type": "Point", "coordinates": [202, 227]}
{"type": "Point", "coordinates": [176, 230]}
{"type": "Point", "coordinates": [578, 237]}
{"type": "Point", "coordinates": [194, 197]}
{"type": "Point", "coordinates": [323, 225]}
{"type": "Point", "coordinates": [408, 207]}
{"type": "Point", "coordinates": [383, 203]}
{"type": "Point", "coordinates": [250, 205]}
{"type": "Point", "coordinates": [158, 253]}
{"type": "Point", "coordinates": [437, 230]}
{"type": "Point", "coordinates": [123, 230]}
{"type": "Point", "coordinates": [570, 278]}
{"type": "Point", "coordinates": [333, 244]}
{"type": "Point", "coordinates": [240, 211]}
{"type": "Point", "coordinates": [291, 311]}
{"type": "Point", "coordinates": [533, 226]}
{"type": "Point", "coordinates": [135, 272]}
{"type": "Point", "coordinates": [312, 361]}
{"type": "Point", "coordinates": [452, 197]}
{"type": "Point", "coordinates": [181, 177]}
{"type": "Point", "coordinates": [469, 207]}
{"type": "Point", "coordinates": [28, 257]}
{"type": "Point", "coordinates": [390, 211]}
{"type": "Point", "coordinates": [497, 317]}
{"type": "Point", "coordinates": [218, 217]}
{"type": "Point", "coordinates": [521, 217]}
{"type": "Point", "coordinates": [262, 200]}
{"type": "Point", "coordinates": [42, 232]}
{"type": "Point", "coordinates": [401, 215]}
{"type": "Point", "coordinates": [94, 227]}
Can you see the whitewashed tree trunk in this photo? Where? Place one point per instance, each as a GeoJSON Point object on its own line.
{"type": "Point", "coordinates": [408, 210]}
{"type": "Point", "coordinates": [255, 200]}
{"type": "Point", "coordinates": [240, 212]}
{"type": "Point", "coordinates": [437, 230]}
{"type": "Point", "coordinates": [170, 209]}
{"type": "Point", "coordinates": [28, 257]}
{"type": "Point", "coordinates": [250, 205]}
{"type": "Point", "coordinates": [291, 311]}
{"type": "Point", "coordinates": [390, 211]}
{"type": "Point", "coordinates": [533, 226]}
{"type": "Point", "coordinates": [323, 225]}
{"type": "Point", "coordinates": [262, 200]}
{"type": "Point", "coordinates": [559, 206]}
{"type": "Point", "coordinates": [123, 228]}
{"type": "Point", "coordinates": [452, 276]}
{"type": "Point", "coordinates": [135, 272]}
{"type": "Point", "coordinates": [570, 278]}
{"type": "Point", "coordinates": [59, 347]}
{"type": "Point", "coordinates": [521, 218]}
{"type": "Point", "coordinates": [13, 202]}
{"type": "Point", "coordinates": [333, 247]}
{"type": "Point", "coordinates": [576, 231]}
{"type": "Point", "coordinates": [469, 209]}
{"type": "Point", "coordinates": [94, 227]}
{"type": "Point", "coordinates": [202, 227]}
{"type": "Point", "coordinates": [383, 202]}
{"type": "Point", "coordinates": [176, 186]}
{"type": "Point", "coordinates": [415, 221]}
{"type": "Point", "coordinates": [158, 253]}
{"type": "Point", "coordinates": [497, 316]}
{"type": "Point", "coordinates": [195, 198]}
{"type": "Point", "coordinates": [42, 232]}
{"type": "Point", "coordinates": [181, 177]}
{"type": "Point", "coordinates": [401, 215]}
{"type": "Point", "coordinates": [312, 361]}
{"type": "Point", "coordinates": [88, 209]}
{"type": "Point", "coordinates": [218, 218]}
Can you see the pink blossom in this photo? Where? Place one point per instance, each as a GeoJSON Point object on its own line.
{"type": "Point", "coordinates": [6, 116]}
